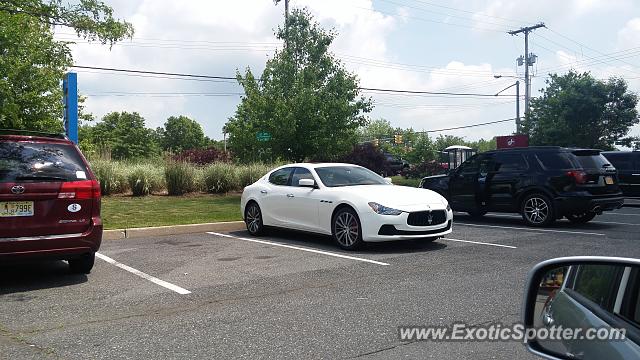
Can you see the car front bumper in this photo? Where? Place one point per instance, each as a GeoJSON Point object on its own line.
{"type": "Point", "coordinates": [54, 247]}
{"type": "Point", "coordinates": [376, 228]}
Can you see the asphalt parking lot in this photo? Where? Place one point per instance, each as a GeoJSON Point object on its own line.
{"type": "Point", "coordinates": [288, 294]}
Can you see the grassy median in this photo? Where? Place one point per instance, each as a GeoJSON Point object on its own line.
{"type": "Point", "coordinates": [119, 212]}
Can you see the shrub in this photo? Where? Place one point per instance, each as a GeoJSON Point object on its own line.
{"type": "Point", "coordinates": [221, 178]}
{"type": "Point", "coordinates": [367, 155]}
{"type": "Point", "coordinates": [180, 177]}
{"type": "Point", "coordinates": [111, 175]}
{"type": "Point", "coordinates": [426, 168]}
{"type": "Point", "coordinates": [248, 174]}
{"type": "Point", "coordinates": [202, 156]}
{"type": "Point", "coordinates": [145, 179]}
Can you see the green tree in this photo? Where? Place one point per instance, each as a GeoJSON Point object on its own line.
{"type": "Point", "coordinates": [182, 133]}
{"type": "Point", "coordinates": [579, 110]}
{"type": "Point", "coordinates": [124, 134]}
{"type": "Point", "coordinates": [305, 99]}
{"type": "Point", "coordinates": [32, 63]}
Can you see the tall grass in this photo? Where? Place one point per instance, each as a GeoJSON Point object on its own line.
{"type": "Point", "coordinates": [180, 178]}
{"type": "Point", "coordinates": [144, 179]}
{"type": "Point", "coordinates": [154, 176]}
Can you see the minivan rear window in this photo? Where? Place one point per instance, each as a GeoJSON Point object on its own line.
{"type": "Point", "coordinates": [27, 161]}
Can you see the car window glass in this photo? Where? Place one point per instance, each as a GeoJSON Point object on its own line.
{"type": "Point", "coordinates": [620, 161]}
{"type": "Point", "coordinates": [598, 283]}
{"type": "Point", "coordinates": [300, 173]}
{"type": "Point", "coordinates": [630, 309]}
{"type": "Point", "coordinates": [589, 160]}
{"type": "Point", "coordinates": [30, 161]}
{"type": "Point", "coordinates": [510, 162]}
{"type": "Point", "coordinates": [280, 177]}
{"type": "Point", "coordinates": [469, 166]}
{"type": "Point", "coordinates": [485, 165]}
{"type": "Point", "coordinates": [555, 160]}
{"type": "Point", "coordinates": [334, 176]}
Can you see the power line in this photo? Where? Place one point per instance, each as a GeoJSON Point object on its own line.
{"type": "Point", "coordinates": [467, 126]}
{"type": "Point", "coordinates": [183, 75]}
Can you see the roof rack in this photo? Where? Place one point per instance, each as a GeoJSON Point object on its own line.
{"type": "Point", "coordinates": [33, 133]}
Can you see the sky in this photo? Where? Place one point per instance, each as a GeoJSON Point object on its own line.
{"type": "Point", "coordinates": [424, 45]}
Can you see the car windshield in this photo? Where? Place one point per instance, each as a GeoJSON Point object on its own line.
{"type": "Point", "coordinates": [24, 161]}
{"type": "Point", "coordinates": [334, 176]}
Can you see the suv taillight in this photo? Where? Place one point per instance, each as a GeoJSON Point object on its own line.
{"type": "Point", "coordinates": [86, 189]}
{"type": "Point", "coordinates": [580, 177]}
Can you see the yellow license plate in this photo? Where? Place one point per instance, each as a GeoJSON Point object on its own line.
{"type": "Point", "coordinates": [608, 180]}
{"type": "Point", "coordinates": [16, 208]}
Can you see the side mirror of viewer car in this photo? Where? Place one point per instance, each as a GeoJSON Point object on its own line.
{"type": "Point", "coordinates": [585, 307]}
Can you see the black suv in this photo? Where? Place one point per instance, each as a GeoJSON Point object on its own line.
{"type": "Point", "coordinates": [628, 165]}
{"type": "Point", "coordinates": [542, 183]}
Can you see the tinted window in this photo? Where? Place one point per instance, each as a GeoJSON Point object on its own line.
{"type": "Point", "coordinates": [300, 173]}
{"type": "Point", "coordinates": [555, 160]}
{"type": "Point", "coordinates": [23, 161]}
{"type": "Point", "coordinates": [333, 176]}
{"type": "Point", "coordinates": [509, 162]}
{"type": "Point", "coordinates": [280, 177]}
{"type": "Point", "coordinates": [621, 161]}
{"type": "Point", "coordinates": [591, 160]}
{"type": "Point", "coordinates": [598, 283]}
{"type": "Point", "coordinates": [631, 303]}
{"type": "Point", "coordinates": [469, 166]}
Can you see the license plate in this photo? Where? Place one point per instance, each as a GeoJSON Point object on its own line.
{"type": "Point", "coordinates": [16, 208]}
{"type": "Point", "coordinates": [608, 180]}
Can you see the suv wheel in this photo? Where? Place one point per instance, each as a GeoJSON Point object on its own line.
{"type": "Point", "coordinates": [82, 264]}
{"type": "Point", "coordinates": [537, 210]}
{"type": "Point", "coordinates": [581, 218]}
{"type": "Point", "coordinates": [346, 229]}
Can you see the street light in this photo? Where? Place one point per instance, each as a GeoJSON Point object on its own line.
{"type": "Point", "coordinates": [517, 85]}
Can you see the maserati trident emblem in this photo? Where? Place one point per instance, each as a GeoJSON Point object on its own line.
{"type": "Point", "coordinates": [18, 189]}
{"type": "Point", "coordinates": [430, 218]}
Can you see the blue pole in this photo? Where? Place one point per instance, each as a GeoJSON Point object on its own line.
{"type": "Point", "coordinates": [70, 91]}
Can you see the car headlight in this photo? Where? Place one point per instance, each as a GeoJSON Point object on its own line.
{"type": "Point", "coordinates": [383, 210]}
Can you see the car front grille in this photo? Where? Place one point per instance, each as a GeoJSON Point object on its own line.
{"type": "Point", "coordinates": [427, 218]}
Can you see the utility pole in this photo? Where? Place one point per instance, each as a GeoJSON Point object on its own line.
{"type": "Point", "coordinates": [528, 60]}
{"type": "Point", "coordinates": [517, 85]}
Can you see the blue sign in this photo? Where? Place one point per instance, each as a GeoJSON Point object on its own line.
{"type": "Point", "coordinates": [70, 96]}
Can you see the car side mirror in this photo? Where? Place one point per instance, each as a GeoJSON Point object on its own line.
{"type": "Point", "coordinates": [307, 183]}
{"type": "Point", "coordinates": [389, 180]}
{"type": "Point", "coordinates": [584, 307]}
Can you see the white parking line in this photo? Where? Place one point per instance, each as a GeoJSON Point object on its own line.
{"type": "Point", "coordinates": [591, 222]}
{"type": "Point", "coordinates": [530, 229]}
{"type": "Point", "coordinates": [154, 280]}
{"type": "Point", "coordinates": [328, 253]}
{"type": "Point", "coordinates": [480, 243]}
{"type": "Point", "coordinates": [619, 213]}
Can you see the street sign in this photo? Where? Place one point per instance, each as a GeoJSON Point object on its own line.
{"type": "Point", "coordinates": [512, 141]}
{"type": "Point", "coordinates": [263, 136]}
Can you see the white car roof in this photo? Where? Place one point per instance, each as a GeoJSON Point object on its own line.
{"type": "Point", "coordinates": [315, 165]}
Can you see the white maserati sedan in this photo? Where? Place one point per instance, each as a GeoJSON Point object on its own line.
{"type": "Point", "coordinates": [348, 202]}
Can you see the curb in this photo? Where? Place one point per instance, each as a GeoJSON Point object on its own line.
{"type": "Point", "coordinates": [121, 234]}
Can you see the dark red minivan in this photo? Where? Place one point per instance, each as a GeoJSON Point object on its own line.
{"type": "Point", "coordinates": [49, 201]}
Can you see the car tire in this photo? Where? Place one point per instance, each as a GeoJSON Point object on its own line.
{"type": "Point", "coordinates": [82, 264]}
{"type": "Point", "coordinates": [581, 218]}
{"type": "Point", "coordinates": [253, 219]}
{"type": "Point", "coordinates": [537, 210]}
{"type": "Point", "coordinates": [346, 229]}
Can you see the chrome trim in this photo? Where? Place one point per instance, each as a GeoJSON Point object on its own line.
{"type": "Point", "coordinates": [41, 237]}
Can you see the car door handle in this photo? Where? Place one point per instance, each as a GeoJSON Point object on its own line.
{"type": "Point", "coordinates": [290, 195]}
{"type": "Point", "coordinates": [263, 191]}
{"type": "Point", "coordinates": [635, 174]}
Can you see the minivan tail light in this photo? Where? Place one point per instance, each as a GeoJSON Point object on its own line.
{"type": "Point", "coordinates": [86, 189]}
{"type": "Point", "coordinates": [580, 177]}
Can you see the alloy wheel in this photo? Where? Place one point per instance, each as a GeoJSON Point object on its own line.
{"type": "Point", "coordinates": [253, 219]}
{"type": "Point", "coordinates": [536, 210]}
{"type": "Point", "coordinates": [347, 229]}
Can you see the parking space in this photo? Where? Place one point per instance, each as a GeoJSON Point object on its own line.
{"type": "Point", "coordinates": [289, 294]}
